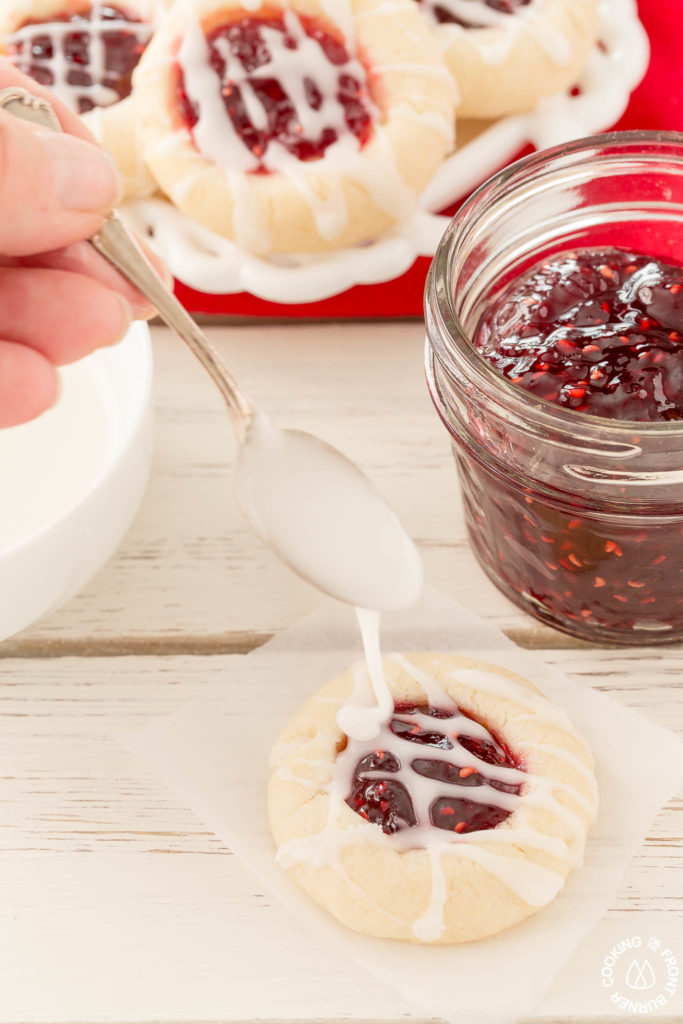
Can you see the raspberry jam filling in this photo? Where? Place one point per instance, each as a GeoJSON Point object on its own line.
{"type": "Point", "coordinates": [446, 16]}
{"type": "Point", "coordinates": [87, 56]}
{"type": "Point", "coordinates": [268, 99]}
{"type": "Point", "coordinates": [387, 802]}
{"type": "Point", "coordinates": [600, 332]}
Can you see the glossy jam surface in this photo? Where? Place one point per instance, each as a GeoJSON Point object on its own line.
{"type": "Point", "coordinates": [43, 50]}
{"type": "Point", "coordinates": [596, 331]}
{"type": "Point", "coordinates": [245, 39]}
{"type": "Point", "coordinates": [445, 16]}
{"type": "Point", "coordinates": [387, 802]}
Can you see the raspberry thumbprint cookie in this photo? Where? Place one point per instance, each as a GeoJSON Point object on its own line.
{"type": "Point", "coordinates": [295, 128]}
{"type": "Point", "coordinates": [506, 55]}
{"type": "Point", "coordinates": [85, 52]}
{"type": "Point", "coordinates": [461, 817]}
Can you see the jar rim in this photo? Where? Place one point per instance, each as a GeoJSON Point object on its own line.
{"type": "Point", "coordinates": [453, 340]}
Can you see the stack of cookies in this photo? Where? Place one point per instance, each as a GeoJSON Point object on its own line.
{"type": "Point", "coordinates": [294, 127]}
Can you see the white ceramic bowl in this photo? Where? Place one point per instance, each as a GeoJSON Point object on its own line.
{"type": "Point", "coordinates": [73, 480]}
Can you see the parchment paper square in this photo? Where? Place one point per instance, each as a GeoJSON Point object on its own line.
{"type": "Point", "coordinates": [216, 757]}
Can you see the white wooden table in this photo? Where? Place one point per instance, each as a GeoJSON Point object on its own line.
{"type": "Point", "coordinates": [116, 904]}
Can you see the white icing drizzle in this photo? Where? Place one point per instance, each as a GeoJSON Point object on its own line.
{"type": "Point", "coordinates": [381, 179]}
{"type": "Point", "coordinates": [366, 724]}
{"type": "Point", "coordinates": [216, 138]}
{"type": "Point", "coordinates": [477, 12]}
{"type": "Point", "coordinates": [562, 754]}
{"type": "Point", "coordinates": [431, 924]}
{"type": "Point", "coordinates": [249, 220]}
{"type": "Point", "coordinates": [173, 143]}
{"type": "Point", "coordinates": [498, 686]}
{"type": "Point", "coordinates": [442, 125]}
{"type": "Point", "coordinates": [340, 13]}
{"type": "Point", "coordinates": [206, 261]}
{"type": "Point", "coordinates": [223, 147]}
{"type": "Point", "coordinates": [495, 45]}
{"type": "Point", "coordinates": [533, 883]}
{"type": "Point", "coordinates": [183, 188]}
{"type": "Point", "coordinates": [287, 775]}
{"type": "Point", "coordinates": [362, 721]}
{"type": "Point", "coordinates": [61, 68]}
{"type": "Point", "coordinates": [433, 692]}
{"type": "Point", "coordinates": [215, 134]}
{"type": "Point", "coordinates": [330, 211]}
{"type": "Point", "coordinates": [137, 177]}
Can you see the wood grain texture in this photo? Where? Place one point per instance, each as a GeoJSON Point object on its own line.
{"type": "Point", "coordinates": [190, 573]}
{"type": "Point", "coordinates": [118, 905]}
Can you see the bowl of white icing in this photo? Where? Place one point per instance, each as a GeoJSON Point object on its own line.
{"type": "Point", "coordinates": [73, 480]}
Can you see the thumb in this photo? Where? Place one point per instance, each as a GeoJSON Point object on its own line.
{"type": "Point", "coordinates": [54, 188]}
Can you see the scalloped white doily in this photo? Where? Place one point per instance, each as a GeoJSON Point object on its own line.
{"type": "Point", "coordinates": [205, 261]}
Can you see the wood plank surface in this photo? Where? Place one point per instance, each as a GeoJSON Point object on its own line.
{"type": "Point", "coordinates": [190, 576]}
{"type": "Point", "coordinates": [116, 903]}
{"type": "Point", "coordinates": [119, 905]}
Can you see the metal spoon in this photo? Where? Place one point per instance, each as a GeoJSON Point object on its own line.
{"type": "Point", "coordinates": [118, 246]}
{"type": "Point", "coordinates": [313, 506]}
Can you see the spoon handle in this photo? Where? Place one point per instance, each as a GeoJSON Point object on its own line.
{"type": "Point", "coordinates": [118, 246]}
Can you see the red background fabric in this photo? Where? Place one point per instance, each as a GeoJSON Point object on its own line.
{"type": "Point", "coordinates": [657, 103]}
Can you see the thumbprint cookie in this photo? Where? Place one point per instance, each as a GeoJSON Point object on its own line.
{"type": "Point", "coordinates": [506, 55]}
{"type": "Point", "coordinates": [85, 51]}
{"type": "Point", "coordinates": [460, 816]}
{"type": "Point", "coordinates": [295, 128]}
{"type": "Point", "coordinates": [117, 129]}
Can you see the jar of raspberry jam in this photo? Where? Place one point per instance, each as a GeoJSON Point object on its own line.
{"type": "Point", "coordinates": [554, 309]}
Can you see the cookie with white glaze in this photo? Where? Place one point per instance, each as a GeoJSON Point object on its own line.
{"type": "Point", "coordinates": [298, 127]}
{"type": "Point", "coordinates": [462, 818]}
{"type": "Point", "coordinates": [85, 51]}
{"type": "Point", "coordinates": [506, 55]}
{"type": "Point", "coordinates": [117, 129]}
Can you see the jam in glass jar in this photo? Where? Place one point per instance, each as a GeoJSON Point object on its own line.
{"type": "Point", "coordinates": [554, 311]}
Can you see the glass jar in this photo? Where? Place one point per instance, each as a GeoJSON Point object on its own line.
{"type": "Point", "coordinates": [578, 519]}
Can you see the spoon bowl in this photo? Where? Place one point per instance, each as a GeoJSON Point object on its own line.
{"type": "Point", "coordinates": [323, 517]}
{"type": "Point", "coordinates": [314, 507]}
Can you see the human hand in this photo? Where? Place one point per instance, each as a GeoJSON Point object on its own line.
{"type": "Point", "coordinates": [59, 299]}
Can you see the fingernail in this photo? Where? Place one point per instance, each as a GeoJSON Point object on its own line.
{"type": "Point", "coordinates": [84, 177]}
